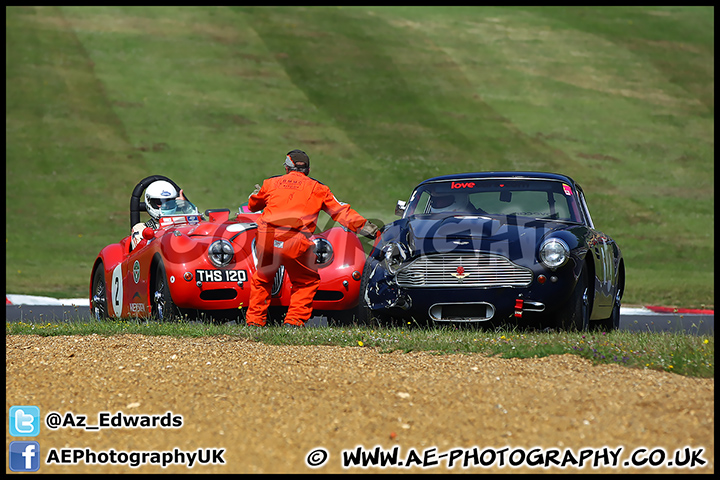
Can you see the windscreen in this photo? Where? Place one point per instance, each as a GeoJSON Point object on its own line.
{"type": "Point", "coordinates": [545, 199]}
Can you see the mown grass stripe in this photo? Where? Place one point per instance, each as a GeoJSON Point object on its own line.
{"type": "Point", "coordinates": [620, 98]}
{"type": "Point", "coordinates": [66, 152]}
{"type": "Point", "coordinates": [382, 86]}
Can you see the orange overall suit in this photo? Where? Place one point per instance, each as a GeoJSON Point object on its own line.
{"type": "Point", "coordinates": [290, 205]}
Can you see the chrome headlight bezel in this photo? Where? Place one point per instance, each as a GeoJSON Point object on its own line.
{"type": "Point", "coordinates": [324, 252]}
{"type": "Point", "coordinates": [221, 253]}
{"type": "Point", "coordinates": [554, 253]}
{"type": "Point", "coordinates": [395, 256]}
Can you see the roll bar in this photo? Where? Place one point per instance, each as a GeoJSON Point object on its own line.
{"type": "Point", "coordinates": [137, 206]}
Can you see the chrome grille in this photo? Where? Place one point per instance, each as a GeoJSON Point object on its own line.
{"type": "Point", "coordinates": [464, 270]}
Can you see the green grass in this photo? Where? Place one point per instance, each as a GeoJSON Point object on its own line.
{"type": "Point", "coordinates": [619, 98]}
{"type": "Point", "coordinates": [680, 353]}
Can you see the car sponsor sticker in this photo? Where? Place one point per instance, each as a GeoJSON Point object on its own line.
{"type": "Point", "coordinates": [136, 271]}
{"type": "Point", "coordinates": [137, 308]}
{"type": "Point", "coordinates": [454, 185]}
{"type": "Point", "coordinates": [237, 276]}
{"type": "Point", "coordinates": [179, 220]}
{"type": "Point", "coordinates": [135, 305]}
{"type": "Point", "coordinates": [567, 189]}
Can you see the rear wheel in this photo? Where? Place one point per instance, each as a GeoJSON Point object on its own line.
{"type": "Point", "coordinates": [99, 294]}
{"type": "Point", "coordinates": [575, 314]}
{"type": "Point", "coordinates": [163, 307]}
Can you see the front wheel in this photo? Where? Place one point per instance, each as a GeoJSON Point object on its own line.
{"type": "Point", "coordinates": [163, 307]}
{"type": "Point", "coordinates": [575, 314]}
{"type": "Point", "coordinates": [363, 313]}
{"type": "Point", "coordinates": [342, 318]}
{"type": "Point", "coordinates": [613, 322]}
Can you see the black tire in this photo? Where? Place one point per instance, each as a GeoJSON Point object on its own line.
{"type": "Point", "coordinates": [163, 307]}
{"type": "Point", "coordinates": [575, 314]}
{"type": "Point", "coordinates": [342, 318]}
{"type": "Point", "coordinates": [276, 315]}
{"type": "Point", "coordinates": [613, 321]}
{"type": "Point", "coordinates": [364, 315]}
{"type": "Point", "coordinates": [99, 294]}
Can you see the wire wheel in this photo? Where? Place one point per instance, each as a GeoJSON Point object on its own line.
{"type": "Point", "coordinates": [163, 307]}
{"type": "Point", "coordinates": [99, 297]}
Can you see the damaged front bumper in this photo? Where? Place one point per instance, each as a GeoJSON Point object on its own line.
{"type": "Point", "coordinates": [448, 304]}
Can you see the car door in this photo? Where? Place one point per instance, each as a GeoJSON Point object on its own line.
{"type": "Point", "coordinates": [602, 251]}
{"type": "Point", "coordinates": [134, 279]}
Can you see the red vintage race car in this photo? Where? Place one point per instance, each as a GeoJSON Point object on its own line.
{"type": "Point", "coordinates": [201, 265]}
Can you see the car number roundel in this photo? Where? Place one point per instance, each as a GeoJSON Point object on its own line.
{"type": "Point", "coordinates": [116, 291]}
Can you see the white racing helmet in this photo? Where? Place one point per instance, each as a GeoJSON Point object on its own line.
{"type": "Point", "coordinates": [160, 199]}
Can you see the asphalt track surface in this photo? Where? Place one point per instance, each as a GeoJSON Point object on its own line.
{"type": "Point", "coordinates": [32, 310]}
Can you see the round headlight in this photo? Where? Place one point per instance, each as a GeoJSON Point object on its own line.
{"type": "Point", "coordinates": [221, 253]}
{"type": "Point", "coordinates": [395, 255]}
{"type": "Point", "coordinates": [323, 251]}
{"type": "Point", "coordinates": [554, 253]}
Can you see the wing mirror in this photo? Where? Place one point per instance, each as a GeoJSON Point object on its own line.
{"type": "Point", "coordinates": [400, 208]}
{"type": "Point", "coordinates": [148, 233]}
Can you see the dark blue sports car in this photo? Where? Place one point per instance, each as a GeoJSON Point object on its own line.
{"type": "Point", "coordinates": [496, 247]}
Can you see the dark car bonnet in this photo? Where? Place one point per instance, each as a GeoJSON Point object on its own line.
{"type": "Point", "coordinates": [512, 236]}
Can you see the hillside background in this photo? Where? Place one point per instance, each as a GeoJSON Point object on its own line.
{"type": "Point", "coordinates": [619, 98]}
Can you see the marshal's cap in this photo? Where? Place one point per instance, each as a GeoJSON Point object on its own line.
{"type": "Point", "coordinates": [297, 160]}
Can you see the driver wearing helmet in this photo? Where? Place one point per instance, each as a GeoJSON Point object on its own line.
{"type": "Point", "coordinates": [449, 203]}
{"type": "Point", "coordinates": [161, 199]}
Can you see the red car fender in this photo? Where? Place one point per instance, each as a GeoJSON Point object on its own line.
{"type": "Point", "coordinates": [110, 257]}
{"type": "Point", "coordinates": [129, 276]}
{"type": "Point", "coordinates": [348, 258]}
{"type": "Point", "coordinates": [186, 253]}
{"type": "Point", "coordinates": [138, 269]}
{"type": "Point", "coordinates": [180, 248]}
{"type": "Point", "coordinates": [347, 266]}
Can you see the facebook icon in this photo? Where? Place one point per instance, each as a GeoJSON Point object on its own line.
{"type": "Point", "coordinates": [24, 456]}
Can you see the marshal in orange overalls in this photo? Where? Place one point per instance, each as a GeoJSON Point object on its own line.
{"type": "Point", "coordinates": [290, 205]}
